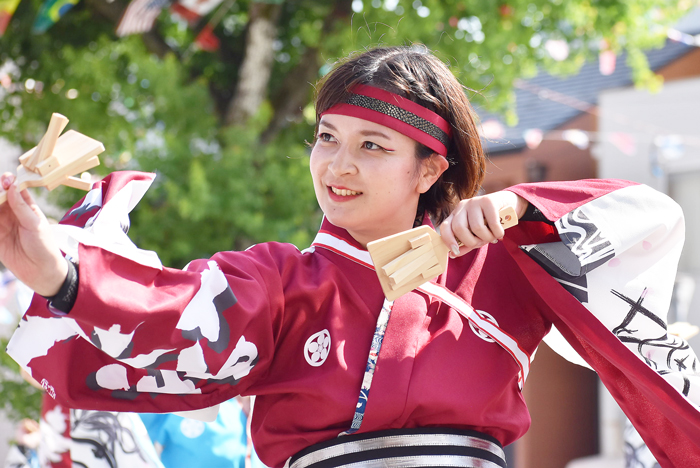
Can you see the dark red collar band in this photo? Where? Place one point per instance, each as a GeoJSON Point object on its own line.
{"type": "Point", "coordinates": [398, 113]}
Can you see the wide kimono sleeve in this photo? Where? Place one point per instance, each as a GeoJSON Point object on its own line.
{"type": "Point", "coordinates": [142, 337]}
{"type": "Point", "coordinates": [607, 282]}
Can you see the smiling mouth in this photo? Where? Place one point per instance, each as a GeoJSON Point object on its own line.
{"type": "Point", "coordinates": [344, 192]}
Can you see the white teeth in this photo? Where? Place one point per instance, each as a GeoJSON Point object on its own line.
{"type": "Point", "coordinates": [344, 192]}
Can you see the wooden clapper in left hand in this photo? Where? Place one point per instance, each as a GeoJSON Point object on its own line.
{"type": "Point", "coordinates": [408, 259]}
{"type": "Point", "coordinates": [54, 161]}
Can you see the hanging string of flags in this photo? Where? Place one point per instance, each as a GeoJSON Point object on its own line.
{"type": "Point", "coordinates": [607, 58]}
{"type": "Point", "coordinates": [672, 146]}
{"type": "Point", "coordinates": [138, 18]}
{"type": "Point", "coordinates": [556, 96]}
{"type": "Point", "coordinates": [680, 36]}
{"type": "Point", "coordinates": [558, 49]}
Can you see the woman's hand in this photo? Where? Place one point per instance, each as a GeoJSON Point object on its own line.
{"type": "Point", "coordinates": [475, 221]}
{"type": "Point", "coordinates": [27, 247]}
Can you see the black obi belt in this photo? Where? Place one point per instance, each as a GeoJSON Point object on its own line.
{"type": "Point", "coordinates": [404, 448]}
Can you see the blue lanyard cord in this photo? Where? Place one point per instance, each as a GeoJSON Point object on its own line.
{"type": "Point", "coordinates": [377, 340]}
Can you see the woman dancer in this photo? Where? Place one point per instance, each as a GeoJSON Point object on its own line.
{"type": "Point", "coordinates": [430, 379]}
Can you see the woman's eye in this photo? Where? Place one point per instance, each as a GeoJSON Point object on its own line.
{"type": "Point", "coordinates": [325, 137]}
{"type": "Point", "coordinates": [370, 146]}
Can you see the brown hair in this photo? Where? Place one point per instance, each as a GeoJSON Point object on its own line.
{"type": "Point", "coordinates": [416, 74]}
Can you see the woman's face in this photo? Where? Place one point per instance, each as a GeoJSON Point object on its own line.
{"type": "Point", "coordinates": [367, 178]}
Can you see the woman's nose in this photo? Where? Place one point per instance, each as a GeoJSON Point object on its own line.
{"type": "Point", "coordinates": [343, 162]}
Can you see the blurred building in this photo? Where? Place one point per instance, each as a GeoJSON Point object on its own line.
{"type": "Point", "coordinates": [597, 124]}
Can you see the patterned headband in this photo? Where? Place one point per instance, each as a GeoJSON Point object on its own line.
{"type": "Point", "coordinates": [398, 113]}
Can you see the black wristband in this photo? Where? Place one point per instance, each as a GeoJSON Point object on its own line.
{"type": "Point", "coordinates": [532, 213]}
{"type": "Point", "coordinates": [64, 299]}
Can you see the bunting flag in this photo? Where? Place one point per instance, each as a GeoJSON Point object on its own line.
{"type": "Point", "coordinates": [624, 142]}
{"type": "Point", "coordinates": [188, 15]}
{"type": "Point", "coordinates": [576, 137]}
{"type": "Point", "coordinates": [206, 40]}
{"type": "Point", "coordinates": [492, 129]}
{"type": "Point", "coordinates": [193, 10]}
{"type": "Point", "coordinates": [139, 16]}
{"type": "Point", "coordinates": [51, 11]}
{"type": "Point", "coordinates": [533, 137]}
{"type": "Point", "coordinates": [7, 9]}
{"type": "Point", "coordinates": [606, 59]}
{"type": "Point", "coordinates": [606, 62]}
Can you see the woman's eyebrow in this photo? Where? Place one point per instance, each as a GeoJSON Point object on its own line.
{"type": "Point", "coordinates": [374, 133]}
{"type": "Point", "coordinates": [326, 124]}
{"type": "Point", "coordinates": [361, 132]}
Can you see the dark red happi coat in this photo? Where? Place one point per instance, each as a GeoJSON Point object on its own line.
{"type": "Point", "coordinates": [146, 338]}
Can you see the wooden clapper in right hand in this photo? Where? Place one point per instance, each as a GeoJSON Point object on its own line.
{"type": "Point", "coordinates": [408, 259]}
{"type": "Point", "coordinates": [55, 160]}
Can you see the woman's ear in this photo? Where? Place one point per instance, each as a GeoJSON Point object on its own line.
{"type": "Point", "coordinates": [431, 170]}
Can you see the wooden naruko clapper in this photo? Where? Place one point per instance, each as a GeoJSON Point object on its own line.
{"type": "Point", "coordinates": [408, 259]}
{"type": "Point", "coordinates": [54, 161]}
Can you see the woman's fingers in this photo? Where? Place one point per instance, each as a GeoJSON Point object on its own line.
{"type": "Point", "coordinates": [474, 223]}
{"type": "Point", "coordinates": [29, 200]}
{"type": "Point", "coordinates": [6, 179]}
{"type": "Point", "coordinates": [448, 237]}
{"type": "Point", "coordinates": [493, 219]}
{"type": "Point", "coordinates": [24, 207]}
{"type": "Point", "coordinates": [478, 224]}
{"type": "Point", "coordinates": [456, 233]}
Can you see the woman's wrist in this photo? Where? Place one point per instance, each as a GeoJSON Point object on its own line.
{"type": "Point", "coordinates": [518, 203]}
{"type": "Point", "coordinates": [63, 300]}
{"type": "Point", "coordinates": [53, 279]}
{"type": "Point", "coordinates": [521, 206]}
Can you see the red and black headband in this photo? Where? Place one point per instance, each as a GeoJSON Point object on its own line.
{"type": "Point", "coordinates": [398, 113]}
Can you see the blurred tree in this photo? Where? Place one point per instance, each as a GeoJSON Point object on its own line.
{"type": "Point", "coordinates": [18, 399]}
{"type": "Point", "coordinates": [226, 130]}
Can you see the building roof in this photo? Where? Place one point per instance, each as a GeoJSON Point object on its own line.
{"type": "Point", "coordinates": [538, 100]}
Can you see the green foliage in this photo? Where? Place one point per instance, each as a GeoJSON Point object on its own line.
{"type": "Point", "coordinates": [18, 399]}
{"type": "Point", "coordinates": [242, 194]}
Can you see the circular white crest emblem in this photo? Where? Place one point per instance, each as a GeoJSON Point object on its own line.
{"type": "Point", "coordinates": [317, 348]}
{"type": "Point", "coordinates": [191, 428]}
{"type": "Point", "coordinates": [481, 334]}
